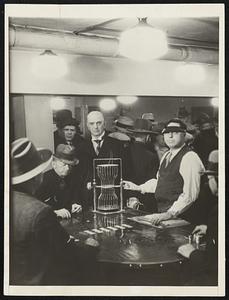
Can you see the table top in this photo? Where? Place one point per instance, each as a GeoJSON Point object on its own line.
{"type": "Point", "coordinates": [137, 244]}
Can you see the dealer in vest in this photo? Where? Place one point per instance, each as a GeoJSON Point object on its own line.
{"type": "Point", "coordinates": [178, 179]}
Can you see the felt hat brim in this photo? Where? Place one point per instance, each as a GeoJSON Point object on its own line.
{"type": "Point", "coordinates": [46, 158]}
{"type": "Point", "coordinates": [68, 162]}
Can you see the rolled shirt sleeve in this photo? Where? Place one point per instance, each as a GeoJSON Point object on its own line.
{"type": "Point", "coordinates": [190, 169]}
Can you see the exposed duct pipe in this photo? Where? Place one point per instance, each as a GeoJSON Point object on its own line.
{"type": "Point", "coordinates": [99, 46]}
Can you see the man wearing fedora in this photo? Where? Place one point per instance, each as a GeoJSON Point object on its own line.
{"type": "Point", "coordinates": [41, 251]}
{"type": "Point", "coordinates": [203, 265]}
{"type": "Point", "coordinates": [62, 186]}
{"type": "Point", "coordinates": [144, 164]}
{"type": "Point", "coordinates": [122, 133]}
{"type": "Point", "coordinates": [178, 179]}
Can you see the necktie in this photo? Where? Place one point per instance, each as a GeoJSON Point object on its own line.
{"type": "Point", "coordinates": [97, 149]}
{"type": "Point", "coordinates": [168, 159]}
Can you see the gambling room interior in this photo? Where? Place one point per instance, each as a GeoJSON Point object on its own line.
{"type": "Point", "coordinates": [114, 151]}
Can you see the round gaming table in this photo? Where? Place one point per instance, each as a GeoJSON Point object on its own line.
{"type": "Point", "coordinates": [127, 247]}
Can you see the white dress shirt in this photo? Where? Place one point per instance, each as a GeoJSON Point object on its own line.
{"type": "Point", "coordinates": [190, 169]}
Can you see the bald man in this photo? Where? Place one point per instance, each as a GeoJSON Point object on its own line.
{"type": "Point", "coordinates": [99, 144]}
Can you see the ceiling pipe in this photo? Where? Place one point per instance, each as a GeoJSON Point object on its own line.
{"type": "Point", "coordinates": [21, 37]}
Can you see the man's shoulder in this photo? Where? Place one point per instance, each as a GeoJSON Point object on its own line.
{"type": "Point", "coordinates": [28, 203]}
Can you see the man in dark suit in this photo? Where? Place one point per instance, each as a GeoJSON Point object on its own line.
{"type": "Point", "coordinates": [41, 251]}
{"type": "Point", "coordinates": [64, 185]}
{"type": "Point", "coordinates": [98, 145]}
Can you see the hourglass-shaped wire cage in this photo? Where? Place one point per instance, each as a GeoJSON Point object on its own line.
{"type": "Point", "coordinates": [107, 180]}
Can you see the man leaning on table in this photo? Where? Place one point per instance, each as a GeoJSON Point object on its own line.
{"type": "Point", "coordinates": [178, 179]}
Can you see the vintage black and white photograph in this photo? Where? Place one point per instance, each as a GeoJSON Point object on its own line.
{"type": "Point", "coordinates": [114, 150]}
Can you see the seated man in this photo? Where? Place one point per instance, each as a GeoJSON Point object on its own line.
{"type": "Point", "coordinates": [62, 187]}
{"type": "Point", "coordinates": [178, 179]}
{"type": "Point", "coordinates": [203, 265]}
{"type": "Point", "coordinates": [41, 251]}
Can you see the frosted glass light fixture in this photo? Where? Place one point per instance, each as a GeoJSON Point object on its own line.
{"type": "Point", "coordinates": [215, 101]}
{"type": "Point", "coordinates": [127, 100]}
{"type": "Point", "coordinates": [107, 104]}
{"type": "Point", "coordinates": [57, 103]}
{"type": "Point", "coordinates": [48, 65]}
{"type": "Point", "coordinates": [143, 42]}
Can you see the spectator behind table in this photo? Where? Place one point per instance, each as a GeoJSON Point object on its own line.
{"type": "Point", "coordinates": [41, 251]}
{"type": "Point", "coordinates": [122, 133]}
{"type": "Point", "coordinates": [151, 138]}
{"type": "Point", "coordinates": [98, 145]}
{"type": "Point", "coordinates": [207, 139]}
{"type": "Point", "coordinates": [178, 179]}
{"type": "Point", "coordinates": [62, 186]}
{"type": "Point", "coordinates": [144, 165]}
{"type": "Point", "coordinates": [203, 265]}
{"type": "Point", "coordinates": [61, 116]}
{"type": "Point", "coordinates": [71, 137]}
{"type": "Point", "coordinates": [184, 116]}
{"type": "Point", "coordinates": [160, 146]}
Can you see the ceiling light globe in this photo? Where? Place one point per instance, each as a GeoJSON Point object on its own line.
{"type": "Point", "coordinates": [107, 104]}
{"type": "Point", "coordinates": [215, 101]}
{"type": "Point", "coordinates": [127, 100]}
{"type": "Point", "coordinates": [143, 43]}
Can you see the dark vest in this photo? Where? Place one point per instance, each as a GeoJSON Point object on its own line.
{"type": "Point", "coordinates": [170, 182]}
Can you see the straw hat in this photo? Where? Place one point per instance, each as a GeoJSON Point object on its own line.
{"type": "Point", "coordinates": [174, 125]}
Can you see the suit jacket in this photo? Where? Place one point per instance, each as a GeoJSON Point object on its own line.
{"type": "Point", "coordinates": [63, 192]}
{"type": "Point", "coordinates": [39, 245]}
{"type": "Point", "coordinates": [110, 148]}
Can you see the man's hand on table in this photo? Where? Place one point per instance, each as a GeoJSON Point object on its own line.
{"type": "Point", "coordinates": [76, 208]}
{"type": "Point", "coordinates": [63, 213]}
{"type": "Point", "coordinates": [91, 242]}
{"type": "Point", "coordinates": [155, 219]}
{"type": "Point", "coordinates": [186, 250]}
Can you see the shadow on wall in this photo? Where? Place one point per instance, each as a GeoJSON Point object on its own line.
{"type": "Point", "coordinates": [90, 70]}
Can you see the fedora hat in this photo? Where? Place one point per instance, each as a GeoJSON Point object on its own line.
{"type": "Point", "coordinates": [150, 117]}
{"type": "Point", "coordinates": [142, 126]}
{"type": "Point", "coordinates": [66, 153]}
{"type": "Point", "coordinates": [212, 166]}
{"type": "Point", "coordinates": [124, 122]}
{"type": "Point", "coordinates": [119, 136]}
{"type": "Point", "coordinates": [174, 125]}
{"type": "Point", "coordinates": [27, 161]}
